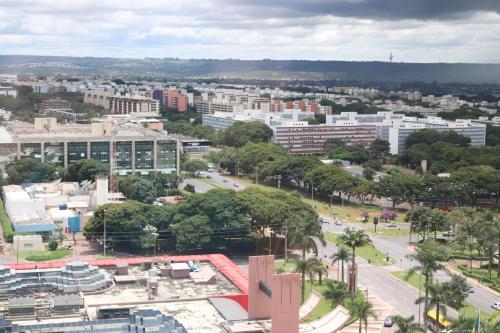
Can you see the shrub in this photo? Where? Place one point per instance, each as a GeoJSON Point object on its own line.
{"type": "Point", "coordinates": [189, 188]}
{"type": "Point", "coordinates": [8, 232]}
{"type": "Point", "coordinates": [53, 245]}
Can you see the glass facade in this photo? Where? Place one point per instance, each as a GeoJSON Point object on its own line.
{"type": "Point", "coordinates": [54, 153]}
{"type": "Point", "coordinates": [32, 150]}
{"type": "Point", "coordinates": [166, 154]}
{"type": "Point", "coordinates": [123, 153]}
{"type": "Point", "coordinates": [144, 154]}
{"type": "Point", "coordinates": [99, 151]}
{"type": "Point", "coordinates": [77, 151]}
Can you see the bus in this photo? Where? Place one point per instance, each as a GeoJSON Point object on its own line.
{"type": "Point", "coordinates": [440, 324]}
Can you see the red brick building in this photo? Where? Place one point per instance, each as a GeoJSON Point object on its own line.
{"type": "Point", "coordinates": [175, 100]}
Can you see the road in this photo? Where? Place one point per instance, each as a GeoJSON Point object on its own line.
{"type": "Point", "coordinates": [394, 291]}
{"type": "Point", "coordinates": [397, 249]}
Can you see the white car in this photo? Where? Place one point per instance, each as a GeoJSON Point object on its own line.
{"type": "Point", "coordinates": [496, 305]}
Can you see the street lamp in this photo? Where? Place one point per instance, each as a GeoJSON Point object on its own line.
{"type": "Point", "coordinates": [152, 231]}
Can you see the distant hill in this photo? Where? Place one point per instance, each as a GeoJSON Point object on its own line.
{"type": "Point", "coordinates": [253, 69]}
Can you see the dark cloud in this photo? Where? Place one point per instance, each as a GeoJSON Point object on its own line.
{"type": "Point", "coordinates": [372, 9]}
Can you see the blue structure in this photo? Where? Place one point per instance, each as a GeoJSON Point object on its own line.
{"type": "Point", "coordinates": [144, 321]}
{"type": "Point", "coordinates": [74, 223]}
{"type": "Point", "coordinates": [158, 95]}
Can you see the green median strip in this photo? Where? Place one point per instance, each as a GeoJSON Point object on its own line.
{"type": "Point", "coordinates": [417, 281]}
{"type": "Point", "coordinates": [367, 252]}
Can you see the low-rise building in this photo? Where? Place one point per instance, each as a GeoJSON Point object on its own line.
{"type": "Point", "coordinates": [301, 138]}
{"type": "Point", "coordinates": [8, 91]}
{"type": "Point", "coordinates": [137, 149]}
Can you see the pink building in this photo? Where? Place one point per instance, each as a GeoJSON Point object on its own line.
{"type": "Point", "coordinates": [175, 100]}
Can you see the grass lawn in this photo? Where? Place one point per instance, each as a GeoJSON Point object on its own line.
{"type": "Point", "coordinates": [45, 255]}
{"type": "Point", "coordinates": [414, 280]}
{"type": "Point", "coordinates": [289, 267]}
{"type": "Point", "coordinates": [325, 305]}
{"type": "Point", "coordinates": [348, 211]}
{"type": "Point", "coordinates": [367, 252]}
{"type": "Point", "coordinates": [210, 182]}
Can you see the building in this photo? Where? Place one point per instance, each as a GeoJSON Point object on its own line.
{"type": "Point", "coordinates": [158, 95]}
{"type": "Point", "coordinates": [175, 100]}
{"type": "Point", "coordinates": [205, 107]}
{"type": "Point", "coordinates": [55, 104]}
{"type": "Point", "coordinates": [193, 146]}
{"type": "Point", "coordinates": [5, 115]}
{"type": "Point", "coordinates": [72, 278]}
{"type": "Point", "coordinates": [8, 91]}
{"type": "Point", "coordinates": [400, 131]}
{"type": "Point", "coordinates": [8, 78]}
{"type": "Point", "coordinates": [98, 97]}
{"type": "Point", "coordinates": [130, 103]}
{"type": "Point", "coordinates": [41, 208]}
{"type": "Point", "coordinates": [142, 320]}
{"type": "Point", "coordinates": [301, 138]}
{"type": "Point", "coordinates": [137, 149]}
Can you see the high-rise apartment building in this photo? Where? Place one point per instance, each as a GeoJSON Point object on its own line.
{"type": "Point", "coordinates": [175, 100]}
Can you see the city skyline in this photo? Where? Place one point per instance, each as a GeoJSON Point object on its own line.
{"type": "Point", "coordinates": [423, 31]}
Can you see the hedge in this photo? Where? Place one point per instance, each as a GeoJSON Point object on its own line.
{"type": "Point", "coordinates": [8, 232]}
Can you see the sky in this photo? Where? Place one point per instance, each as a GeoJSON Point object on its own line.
{"type": "Point", "coordinates": [413, 30]}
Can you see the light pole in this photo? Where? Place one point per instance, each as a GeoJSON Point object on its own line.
{"type": "Point", "coordinates": [278, 178]}
{"type": "Point", "coordinates": [104, 236]}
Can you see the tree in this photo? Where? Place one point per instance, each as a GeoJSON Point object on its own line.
{"type": "Point", "coordinates": [366, 189]}
{"type": "Point", "coordinates": [29, 170]}
{"type": "Point", "coordinates": [406, 324]}
{"type": "Point", "coordinates": [456, 290]}
{"type": "Point", "coordinates": [362, 309]}
{"type": "Point", "coordinates": [435, 297]}
{"type": "Point", "coordinates": [81, 170]}
{"type": "Point", "coordinates": [424, 220]}
{"type": "Point", "coordinates": [428, 255]}
{"type": "Point", "coordinates": [189, 188]}
{"type": "Point", "coordinates": [303, 266]}
{"type": "Point", "coordinates": [222, 214]}
{"type": "Point", "coordinates": [137, 188]}
{"type": "Point", "coordinates": [192, 233]}
{"type": "Point", "coordinates": [53, 244]}
{"type": "Point", "coordinates": [125, 223]}
{"type": "Point", "coordinates": [193, 167]}
{"type": "Point", "coordinates": [368, 173]}
{"type": "Point", "coordinates": [241, 133]}
{"type": "Point", "coordinates": [335, 292]}
{"type": "Point", "coordinates": [353, 240]}
{"type": "Point", "coordinates": [340, 257]}
{"type": "Point", "coordinates": [401, 188]}
{"type": "Point", "coordinates": [380, 147]}
{"type": "Point", "coordinates": [319, 269]}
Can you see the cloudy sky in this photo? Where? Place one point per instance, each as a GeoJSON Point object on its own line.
{"type": "Point", "coordinates": [413, 30]}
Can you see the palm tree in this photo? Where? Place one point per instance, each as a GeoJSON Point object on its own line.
{"type": "Point", "coordinates": [436, 298]}
{"type": "Point", "coordinates": [340, 257]}
{"type": "Point", "coordinates": [362, 309]}
{"type": "Point", "coordinates": [429, 264]}
{"type": "Point", "coordinates": [406, 324]}
{"type": "Point", "coordinates": [303, 266]}
{"type": "Point", "coordinates": [335, 292]}
{"type": "Point", "coordinates": [353, 240]}
{"type": "Point", "coordinates": [317, 268]}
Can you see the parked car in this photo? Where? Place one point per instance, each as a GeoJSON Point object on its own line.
{"type": "Point", "coordinates": [391, 225]}
{"type": "Point", "coordinates": [224, 180]}
{"type": "Point", "coordinates": [338, 222]}
{"type": "Point", "coordinates": [236, 185]}
{"type": "Point", "coordinates": [496, 305]}
{"type": "Point", "coordinates": [388, 321]}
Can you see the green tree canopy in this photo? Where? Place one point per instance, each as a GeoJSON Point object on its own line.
{"type": "Point", "coordinates": [241, 133]}
{"type": "Point", "coordinates": [81, 170]}
{"type": "Point", "coordinates": [29, 170]}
